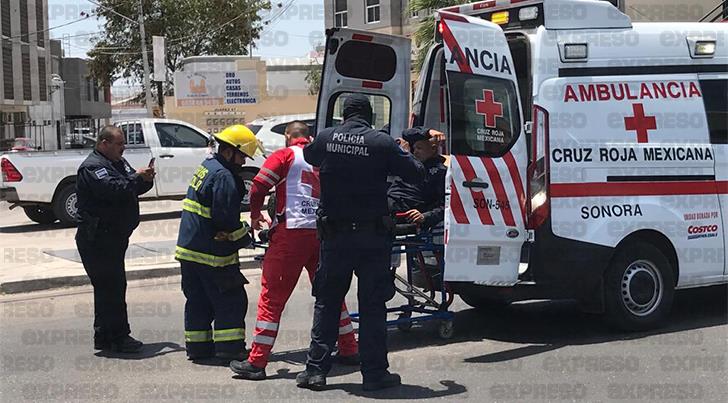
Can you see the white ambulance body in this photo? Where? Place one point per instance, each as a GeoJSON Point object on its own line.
{"type": "Point", "coordinates": [589, 155]}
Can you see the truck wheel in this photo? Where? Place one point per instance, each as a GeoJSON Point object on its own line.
{"type": "Point", "coordinates": [64, 205]}
{"type": "Point", "coordinates": [639, 287]}
{"type": "Point", "coordinates": [39, 214]}
{"type": "Point", "coordinates": [248, 182]}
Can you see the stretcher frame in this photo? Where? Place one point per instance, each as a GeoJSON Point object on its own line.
{"type": "Point", "coordinates": [422, 305]}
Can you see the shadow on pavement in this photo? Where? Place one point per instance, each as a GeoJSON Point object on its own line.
{"type": "Point", "coordinates": [148, 351]}
{"type": "Point", "coordinates": [403, 391]}
{"type": "Point", "coordinates": [26, 228]}
{"type": "Point", "coordinates": [550, 325]}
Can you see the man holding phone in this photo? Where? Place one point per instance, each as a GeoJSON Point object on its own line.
{"type": "Point", "coordinates": [107, 188]}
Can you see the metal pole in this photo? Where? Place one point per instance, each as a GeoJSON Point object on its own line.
{"type": "Point", "coordinates": [145, 61]}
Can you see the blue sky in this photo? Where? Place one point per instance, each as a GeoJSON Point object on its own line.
{"type": "Point", "coordinates": [292, 33]}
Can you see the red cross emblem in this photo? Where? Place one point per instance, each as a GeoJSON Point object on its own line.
{"type": "Point", "coordinates": [640, 123]}
{"type": "Point", "coordinates": [312, 179]}
{"type": "Point", "coordinates": [489, 108]}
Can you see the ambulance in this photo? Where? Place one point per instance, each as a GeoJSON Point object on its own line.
{"type": "Point", "coordinates": [588, 154]}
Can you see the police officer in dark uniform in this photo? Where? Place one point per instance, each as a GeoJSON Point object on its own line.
{"type": "Point", "coordinates": [356, 237]}
{"type": "Point", "coordinates": [107, 188]}
{"type": "Point", "coordinates": [423, 203]}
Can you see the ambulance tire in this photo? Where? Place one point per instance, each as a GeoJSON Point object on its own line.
{"type": "Point", "coordinates": [639, 287]}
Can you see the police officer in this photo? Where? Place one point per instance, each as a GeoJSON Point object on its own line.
{"type": "Point", "coordinates": [423, 203]}
{"type": "Point", "coordinates": [107, 188]}
{"type": "Point", "coordinates": [210, 235]}
{"type": "Point", "coordinates": [356, 237]}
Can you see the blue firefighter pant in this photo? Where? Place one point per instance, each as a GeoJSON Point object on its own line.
{"type": "Point", "coordinates": [366, 254]}
{"type": "Point", "coordinates": [216, 295]}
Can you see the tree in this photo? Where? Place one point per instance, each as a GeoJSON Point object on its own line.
{"type": "Point", "coordinates": [313, 77]}
{"type": "Point", "coordinates": [191, 28]}
{"type": "Point", "coordinates": [424, 35]}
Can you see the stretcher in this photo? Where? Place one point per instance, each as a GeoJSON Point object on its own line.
{"type": "Point", "coordinates": [428, 296]}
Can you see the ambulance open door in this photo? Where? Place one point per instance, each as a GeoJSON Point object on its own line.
{"type": "Point", "coordinates": [374, 64]}
{"type": "Point", "coordinates": [485, 224]}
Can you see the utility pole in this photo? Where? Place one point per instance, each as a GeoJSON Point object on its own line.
{"type": "Point", "coordinates": [145, 61]}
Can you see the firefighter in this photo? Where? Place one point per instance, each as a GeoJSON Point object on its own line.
{"type": "Point", "coordinates": [356, 237]}
{"type": "Point", "coordinates": [210, 235]}
{"type": "Point", "coordinates": [293, 245]}
{"type": "Point", "coordinates": [108, 212]}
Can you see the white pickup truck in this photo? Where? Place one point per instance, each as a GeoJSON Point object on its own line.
{"type": "Point", "coordinates": [43, 182]}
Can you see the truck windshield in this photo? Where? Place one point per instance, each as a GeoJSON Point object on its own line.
{"type": "Point", "coordinates": [485, 119]}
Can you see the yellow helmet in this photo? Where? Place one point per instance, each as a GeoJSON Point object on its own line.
{"type": "Point", "coordinates": [240, 137]}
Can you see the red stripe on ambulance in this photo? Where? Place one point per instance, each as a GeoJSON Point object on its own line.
{"type": "Point", "coordinates": [517, 183]}
{"type": "Point", "coordinates": [500, 191]}
{"type": "Point", "coordinates": [469, 174]}
{"type": "Point", "coordinates": [452, 44]}
{"type": "Point", "coordinates": [456, 205]}
{"type": "Point", "coordinates": [638, 189]}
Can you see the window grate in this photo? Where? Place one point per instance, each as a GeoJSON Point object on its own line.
{"type": "Point", "coordinates": [25, 59]}
{"type": "Point", "coordinates": [42, 82]}
{"type": "Point", "coordinates": [5, 14]}
{"type": "Point", "coordinates": [39, 20]}
{"type": "Point", "coordinates": [9, 92]}
{"type": "Point", "coordinates": [24, 21]}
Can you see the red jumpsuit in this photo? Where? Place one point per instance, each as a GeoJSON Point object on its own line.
{"type": "Point", "coordinates": [293, 245]}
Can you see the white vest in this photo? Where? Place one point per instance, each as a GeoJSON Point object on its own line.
{"type": "Point", "coordinates": [301, 198]}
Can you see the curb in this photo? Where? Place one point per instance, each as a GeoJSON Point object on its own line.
{"type": "Point", "coordinates": [43, 284]}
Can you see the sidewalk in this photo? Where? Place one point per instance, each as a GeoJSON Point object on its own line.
{"type": "Point", "coordinates": [39, 257]}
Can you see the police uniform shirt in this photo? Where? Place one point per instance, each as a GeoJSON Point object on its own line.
{"type": "Point", "coordinates": [108, 194]}
{"type": "Point", "coordinates": [428, 197]}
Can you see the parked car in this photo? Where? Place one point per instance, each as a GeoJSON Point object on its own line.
{"type": "Point", "coordinates": [44, 183]}
{"type": "Point", "coordinates": [269, 130]}
{"type": "Point", "coordinates": [18, 144]}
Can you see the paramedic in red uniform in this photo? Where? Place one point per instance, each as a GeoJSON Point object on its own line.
{"type": "Point", "coordinates": [293, 245]}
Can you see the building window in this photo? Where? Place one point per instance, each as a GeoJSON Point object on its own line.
{"type": "Point", "coordinates": [372, 10]}
{"type": "Point", "coordinates": [5, 14]}
{"type": "Point", "coordinates": [89, 89]}
{"type": "Point", "coordinates": [9, 91]}
{"type": "Point", "coordinates": [42, 83]}
{"type": "Point", "coordinates": [25, 62]}
{"type": "Point", "coordinates": [340, 14]}
{"type": "Point", "coordinates": [96, 91]}
{"type": "Point", "coordinates": [40, 32]}
{"type": "Point", "coordinates": [24, 21]}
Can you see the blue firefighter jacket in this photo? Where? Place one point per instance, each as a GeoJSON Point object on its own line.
{"type": "Point", "coordinates": [212, 206]}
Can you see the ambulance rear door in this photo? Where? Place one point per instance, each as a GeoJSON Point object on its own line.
{"type": "Point", "coordinates": [485, 220]}
{"type": "Point", "coordinates": [374, 64]}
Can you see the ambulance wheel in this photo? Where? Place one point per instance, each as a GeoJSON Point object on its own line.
{"type": "Point", "coordinates": [41, 215]}
{"type": "Point", "coordinates": [404, 326]}
{"type": "Point", "coordinates": [639, 287]}
{"type": "Point", "coordinates": [248, 183]}
{"type": "Point", "coordinates": [64, 204]}
{"type": "Point", "coordinates": [446, 329]}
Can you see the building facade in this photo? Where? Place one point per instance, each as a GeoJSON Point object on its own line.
{"type": "Point", "coordinates": [213, 92]}
{"type": "Point", "coordinates": [393, 17]}
{"type": "Point", "coordinates": [25, 108]}
{"type": "Point", "coordinates": [87, 105]}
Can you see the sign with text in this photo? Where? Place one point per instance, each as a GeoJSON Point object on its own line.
{"type": "Point", "coordinates": [216, 88]}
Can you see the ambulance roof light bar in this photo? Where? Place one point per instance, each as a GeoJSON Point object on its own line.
{"type": "Point", "coordinates": [582, 14]}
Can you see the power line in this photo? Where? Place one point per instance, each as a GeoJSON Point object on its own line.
{"type": "Point", "coordinates": [50, 28]}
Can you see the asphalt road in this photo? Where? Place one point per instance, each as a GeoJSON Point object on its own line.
{"type": "Point", "coordinates": [540, 351]}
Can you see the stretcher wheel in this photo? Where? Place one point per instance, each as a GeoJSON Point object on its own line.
{"type": "Point", "coordinates": [405, 326]}
{"type": "Point", "coordinates": [446, 329]}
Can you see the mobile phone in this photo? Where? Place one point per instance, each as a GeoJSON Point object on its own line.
{"type": "Point", "coordinates": [151, 162]}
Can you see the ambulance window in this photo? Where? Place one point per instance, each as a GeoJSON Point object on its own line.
{"type": "Point", "coordinates": [365, 60]}
{"type": "Point", "coordinates": [484, 115]}
{"type": "Point", "coordinates": [715, 98]}
{"type": "Point", "coordinates": [381, 109]}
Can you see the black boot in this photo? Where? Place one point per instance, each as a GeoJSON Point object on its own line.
{"type": "Point", "coordinates": [309, 379]}
{"type": "Point", "coordinates": [247, 370]}
{"type": "Point", "coordinates": [126, 344]}
{"type": "Point", "coordinates": [388, 380]}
